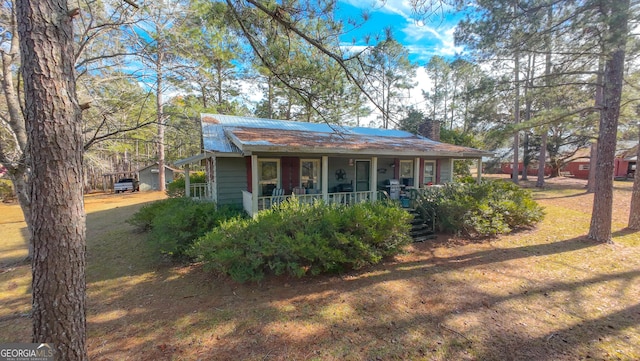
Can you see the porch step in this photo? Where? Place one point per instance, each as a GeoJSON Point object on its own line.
{"type": "Point", "coordinates": [420, 230]}
{"type": "Point", "coordinates": [424, 238]}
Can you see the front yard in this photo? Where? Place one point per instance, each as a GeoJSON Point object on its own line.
{"type": "Point", "coordinates": [544, 294]}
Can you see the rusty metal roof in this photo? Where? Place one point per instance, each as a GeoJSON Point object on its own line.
{"type": "Point", "coordinates": [233, 134]}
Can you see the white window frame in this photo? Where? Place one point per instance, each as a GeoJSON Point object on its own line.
{"type": "Point", "coordinates": [317, 165]}
{"type": "Point", "coordinates": [424, 174]}
{"type": "Point", "coordinates": [406, 163]}
{"type": "Point", "coordinates": [278, 175]}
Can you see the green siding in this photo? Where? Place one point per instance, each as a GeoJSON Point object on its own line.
{"type": "Point", "coordinates": [231, 180]}
{"type": "Point", "coordinates": [445, 170]}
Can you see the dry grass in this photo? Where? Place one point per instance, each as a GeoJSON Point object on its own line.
{"type": "Point", "coordinates": [544, 294]}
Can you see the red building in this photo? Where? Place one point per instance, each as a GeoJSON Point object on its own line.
{"type": "Point", "coordinates": [624, 164]}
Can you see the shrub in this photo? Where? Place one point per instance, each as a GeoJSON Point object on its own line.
{"type": "Point", "coordinates": [299, 239]}
{"type": "Point", "coordinates": [175, 189]}
{"type": "Point", "coordinates": [483, 209]}
{"type": "Point", "coordinates": [175, 223]}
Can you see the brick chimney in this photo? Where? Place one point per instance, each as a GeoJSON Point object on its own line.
{"type": "Point", "coordinates": [430, 128]}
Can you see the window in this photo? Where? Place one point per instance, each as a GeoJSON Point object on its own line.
{"type": "Point", "coordinates": [534, 166]}
{"type": "Point", "coordinates": [406, 169]}
{"type": "Point", "coordinates": [429, 176]}
{"type": "Point", "coordinates": [268, 175]}
{"type": "Point", "coordinates": [583, 167]}
{"type": "Point", "coordinates": [310, 174]}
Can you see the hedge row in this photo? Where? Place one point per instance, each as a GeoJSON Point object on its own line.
{"type": "Point", "coordinates": [298, 239]}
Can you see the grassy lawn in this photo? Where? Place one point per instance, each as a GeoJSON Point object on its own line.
{"type": "Point", "coordinates": [543, 294]}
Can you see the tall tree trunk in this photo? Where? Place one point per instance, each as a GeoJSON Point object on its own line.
{"type": "Point", "coordinates": [542, 157]}
{"type": "Point", "coordinates": [160, 111]}
{"type": "Point", "coordinates": [17, 167]}
{"type": "Point", "coordinates": [526, 158]}
{"type": "Point", "coordinates": [615, 42]}
{"type": "Point", "coordinates": [516, 116]}
{"type": "Point", "coordinates": [634, 211]}
{"type": "Point", "coordinates": [270, 97]}
{"type": "Point", "coordinates": [54, 128]}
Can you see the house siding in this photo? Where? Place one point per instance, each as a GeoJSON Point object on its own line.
{"type": "Point", "coordinates": [232, 180]}
{"type": "Point", "coordinates": [444, 166]}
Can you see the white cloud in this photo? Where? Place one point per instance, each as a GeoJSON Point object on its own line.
{"type": "Point", "coordinates": [400, 7]}
{"type": "Point", "coordinates": [437, 41]}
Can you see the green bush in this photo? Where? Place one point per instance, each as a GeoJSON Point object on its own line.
{"type": "Point", "coordinates": [175, 189]}
{"type": "Point", "coordinates": [175, 223]}
{"type": "Point", "coordinates": [299, 239]}
{"type": "Point", "coordinates": [483, 209]}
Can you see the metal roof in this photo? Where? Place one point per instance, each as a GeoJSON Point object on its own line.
{"type": "Point", "coordinates": [234, 134]}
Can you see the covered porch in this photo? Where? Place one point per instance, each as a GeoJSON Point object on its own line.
{"type": "Point", "coordinates": [256, 163]}
{"type": "Point", "coordinates": [264, 180]}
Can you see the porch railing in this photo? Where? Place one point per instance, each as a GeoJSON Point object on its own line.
{"type": "Point", "coordinates": [200, 191]}
{"type": "Point", "coordinates": [346, 198]}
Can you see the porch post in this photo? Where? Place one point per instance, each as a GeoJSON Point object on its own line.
{"type": "Point", "coordinates": [373, 187]}
{"type": "Point", "coordinates": [187, 181]}
{"type": "Point", "coordinates": [325, 178]}
{"type": "Point", "coordinates": [254, 185]}
{"type": "Point", "coordinates": [416, 173]}
{"type": "Point", "coordinates": [479, 170]}
{"type": "Point", "coordinates": [451, 170]}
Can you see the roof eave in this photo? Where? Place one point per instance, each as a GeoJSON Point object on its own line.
{"type": "Point", "coordinates": [253, 149]}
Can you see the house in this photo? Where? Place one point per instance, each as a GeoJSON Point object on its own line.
{"type": "Point", "coordinates": [149, 176]}
{"type": "Point", "coordinates": [580, 162]}
{"type": "Point", "coordinates": [257, 162]}
{"type": "Point", "coordinates": [625, 164]}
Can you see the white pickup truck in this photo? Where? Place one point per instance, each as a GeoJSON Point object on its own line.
{"type": "Point", "coordinates": [126, 184]}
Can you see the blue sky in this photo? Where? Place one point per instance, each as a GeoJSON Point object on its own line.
{"type": "Point", "coordinates": [423, 38]}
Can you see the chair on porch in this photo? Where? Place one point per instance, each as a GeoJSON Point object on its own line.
{"type": "Point", "coordinates": [277, 195]}
{"type": "Point", "coordinates": [298, 191]}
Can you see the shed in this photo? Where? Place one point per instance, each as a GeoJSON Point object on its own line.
{"type": "Point", "coordinates": [149, 175]}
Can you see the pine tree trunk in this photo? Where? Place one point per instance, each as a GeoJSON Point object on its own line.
{"type": "Point", "coordinates": [17, 167]}
{"type": "Point", "coordinates": [600, 228]}
{"type": "Point", "coordinates": [634, 211]}
{"type": "Point", "coordinates": [53, 122]}
{"type": "Point", "coordinates": [160, 111]}
{"type": "Point", "coordinates": [542, 159]}
{"type": "Point", "coordinates": [516, 116]}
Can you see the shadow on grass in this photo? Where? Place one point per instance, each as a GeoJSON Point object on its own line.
{"type": "Point", "coordinates": [186, 312]}
{"type": "Point", "coordinates": [563, 196]}
{"type": "Point", "coordinates": [624, 232]}
{"type": "Point", "coordinates": [19, 247]}
{"type": "Point", "coordinates": [578, 341]}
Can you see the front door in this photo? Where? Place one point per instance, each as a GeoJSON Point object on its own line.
{"type": "Point", "coordinates": [362, 175]}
